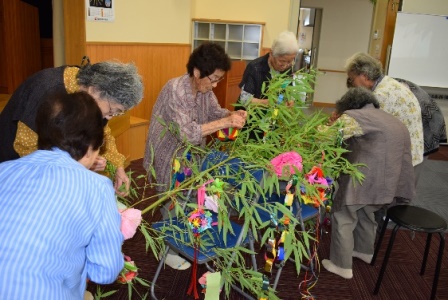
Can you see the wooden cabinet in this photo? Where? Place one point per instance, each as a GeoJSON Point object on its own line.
{"type": "Point", "coordinates": [228, 90]}
{"type": "Point", "coordinates": [130, 135]}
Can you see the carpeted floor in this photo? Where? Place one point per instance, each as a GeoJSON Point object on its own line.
{"type": "Point", "coordinates": [401, 281]}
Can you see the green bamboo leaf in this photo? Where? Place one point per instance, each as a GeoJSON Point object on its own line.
{"type": "Point", "coordinates": [303, 251]}
{"type": "Point", "coordinates": [107, 294]}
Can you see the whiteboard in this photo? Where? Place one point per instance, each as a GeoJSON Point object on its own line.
{"type": "Point", "coordinates": [420, 49]}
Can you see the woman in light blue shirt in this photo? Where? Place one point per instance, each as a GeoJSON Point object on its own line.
{"type": "Point", "coordinates": [60, 224]}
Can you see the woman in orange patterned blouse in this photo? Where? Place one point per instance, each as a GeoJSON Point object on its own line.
{"type": "Point", "coordinates": [115, 86]}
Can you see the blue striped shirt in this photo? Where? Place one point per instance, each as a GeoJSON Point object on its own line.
{"type": "Point", "coordinates": [59, 226]}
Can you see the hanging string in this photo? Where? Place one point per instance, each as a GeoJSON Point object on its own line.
{"type": "Point", "coordinates": [193, 288]}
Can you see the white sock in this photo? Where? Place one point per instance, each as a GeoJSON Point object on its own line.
{"type": "Point", "coordinates": [331, 267]}
{"type": "Point", "coordinates": [362, 256]}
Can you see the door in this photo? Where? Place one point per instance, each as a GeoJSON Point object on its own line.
{"type": "Point", "coordinates": [393, 6]}
{"type": "Point", "coordinates": [74, 31]}
{"type": "Point", "coordinates": [308, 32]}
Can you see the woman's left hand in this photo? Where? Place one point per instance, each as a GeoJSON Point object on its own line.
{"type": "Point", "coordinates": [333, 117]}
{"type": "Point", "coordinates": [99, 164]}
{"type": "Point", "coordinates": [120, 179]}
{"type": "Point", "coordinates": [241, 113]}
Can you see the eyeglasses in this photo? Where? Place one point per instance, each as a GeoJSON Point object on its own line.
{"type": "Point", "coordinates": [284, 63]}
{"type": "Point", "coordinates": [114, 114]}
{"type": "Point", "coordinates": [212, 81]}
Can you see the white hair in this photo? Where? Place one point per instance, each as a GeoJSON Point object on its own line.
{"type": "Point", "coordinates": [286, 43]}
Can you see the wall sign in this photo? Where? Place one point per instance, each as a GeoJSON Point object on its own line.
{"type": "Point", "coordinates": [100, 10]}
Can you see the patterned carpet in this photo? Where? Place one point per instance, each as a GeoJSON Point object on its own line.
{"type": "Point", "coordinates": [401, 280]}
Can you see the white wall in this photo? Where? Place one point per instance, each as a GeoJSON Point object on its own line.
{"type": "Point", "coordinates": [431, 7]}
{"type": "Point", "coordinates": [345, 30]}
{"type": "Point", "coordinates": [169, 21]}
{"type": "Point", "coordinates": [145, 21]}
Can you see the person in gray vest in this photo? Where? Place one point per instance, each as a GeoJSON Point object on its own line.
{"type": "Point", "coordinates": [381, 142]}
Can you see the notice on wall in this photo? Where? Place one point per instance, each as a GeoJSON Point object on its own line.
{"type": "Point", "coordinates": [100, 10]}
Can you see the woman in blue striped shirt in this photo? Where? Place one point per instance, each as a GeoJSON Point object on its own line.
{"type": "Point", "coordinates": [60, 224]}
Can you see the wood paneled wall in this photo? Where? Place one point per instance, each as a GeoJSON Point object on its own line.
{"type": "Point", "coordinates": [157, 63]}
{"type": "Point", "coordinates": [20, 43]}
{"type": "Point", "coordinates": [46, 48]}
{"type": "Point", "coordinates": [74, 31]}
{"type": "Point", "coordinates": [228, 90]}
{"type": "Point", "coordinates": [3, 66]}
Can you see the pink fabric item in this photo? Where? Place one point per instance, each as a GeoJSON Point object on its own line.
{"type": "Point", "coordinates": [130, 220]}
{"type": "Point", "coordinates": [202, 194]}
{"type": "Point", "coordinates": [291, 159]}
{"type": "Point", "coordinates": [211, 203]}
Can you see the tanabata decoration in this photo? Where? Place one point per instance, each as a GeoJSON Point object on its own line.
{"type": "Point", "coordinates": [210, 283]}
{"type": "Point", "coordinates": [211, 201]}
{"type": "Point", "coordinates": [316, 176]}
{"type": "Point", "coordinates": [180, 171]}
{"type": "Point", "coordinates": [129, 271]}
{"type": "Point", "coordinates": [227, 134]}
{"type": "Point", "coordinates": [286, 163]}
{"type": "Point", "coordinates": [130, 220]}
{"type": "Point", "coordinates": [199, 220]}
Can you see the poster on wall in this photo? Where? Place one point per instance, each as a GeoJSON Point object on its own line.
{"type": "Point", "coordinates": [100, 10]}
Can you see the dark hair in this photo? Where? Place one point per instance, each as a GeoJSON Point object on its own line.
{"type": "Point", "coordinates": [115, 81]}
{"type": "Point", "coordinates": [207, 58]}
{"type": "Point", "coordinates": [70, 122]}
{"type": "Point", "coordinates": [356, 98]}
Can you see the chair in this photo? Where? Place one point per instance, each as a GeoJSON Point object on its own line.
{"type": "Point", "coordinates": [416, 219]}
{"type": "Point", "coordinates": [179, 238]}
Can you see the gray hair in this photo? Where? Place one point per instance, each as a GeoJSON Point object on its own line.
{"type": "Point", "coordinates": [286, 43]}
{"type": "Point", "coordinates": [356, 98]}
{"type": "Point", "coordinates": [362, 63]}
{"type": "Point", "coordinates": [115, 81]}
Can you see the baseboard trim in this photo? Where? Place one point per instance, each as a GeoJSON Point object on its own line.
{"type": "Point", "coordinates": [323, 104]}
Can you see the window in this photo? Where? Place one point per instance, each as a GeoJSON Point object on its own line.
{"type": "Point", "coordinates": [242, 41]}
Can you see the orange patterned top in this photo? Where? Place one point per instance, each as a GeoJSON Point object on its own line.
{"type": "Point", "coordinates": [26, 139]}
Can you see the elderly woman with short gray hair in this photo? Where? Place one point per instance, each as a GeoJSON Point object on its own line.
{"type": "Point", "coordinates": [366, 71]}
{"type": "Point", "coordinates": [280, 59]}
{"type": "Point", "coordinates": [115, 86]}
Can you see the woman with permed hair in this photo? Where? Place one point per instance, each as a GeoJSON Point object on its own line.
{"type": "Point", "coordinates": [365, 71]}
{"type": "Point", "coordinates": [116, 87]}
{"type": "Point", "coordinates": [188, 104]}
